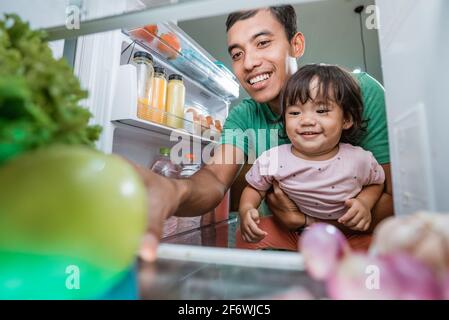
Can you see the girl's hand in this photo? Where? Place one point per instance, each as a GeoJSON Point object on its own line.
{"type": "Point", "coordinates": [248, 226]}
{"type": "Point", "coordinates": [358, 216]}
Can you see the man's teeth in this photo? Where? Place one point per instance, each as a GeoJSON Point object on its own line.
{"type": "Point", "coordinates": [259, 78]}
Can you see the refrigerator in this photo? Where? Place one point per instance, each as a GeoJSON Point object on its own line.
{"type": "Point", "coordinates": [110, 32]}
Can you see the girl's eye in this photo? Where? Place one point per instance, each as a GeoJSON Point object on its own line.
{"type": "Point", "coordinates": [294, 113]}
{"type": "Point", "coordinates": [323, 110]}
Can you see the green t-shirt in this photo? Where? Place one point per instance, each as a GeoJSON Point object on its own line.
{"type": "Point", "coordinates": [252, 126]}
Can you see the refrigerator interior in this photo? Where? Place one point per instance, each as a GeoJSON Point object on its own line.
{"type": "Point", "coordinates": [414, 51]}
{"type": "Point", "coordinates": [414, 88]}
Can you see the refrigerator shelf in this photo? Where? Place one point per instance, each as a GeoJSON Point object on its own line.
{"type": "Point", "coordinates": [125, 111]}
{"type": "Point", "coordinates": [174, 46]}
{"type": "Point", "coordinates": [167, 131]}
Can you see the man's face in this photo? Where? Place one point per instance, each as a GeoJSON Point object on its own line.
{"type": "Point", "coordinates": [260, 53]}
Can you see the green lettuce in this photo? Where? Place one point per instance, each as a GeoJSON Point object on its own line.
{"type": "Point", "coordinates": [39, 95]}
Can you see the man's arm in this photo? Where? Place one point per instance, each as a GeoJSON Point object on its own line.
{"type": "Point", "coordinates": [193, 196]}
{"type": "Point", "coordinates": [384, 208]}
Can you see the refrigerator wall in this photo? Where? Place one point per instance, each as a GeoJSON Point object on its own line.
{"type": "Point", "coordinates": [414, 51]}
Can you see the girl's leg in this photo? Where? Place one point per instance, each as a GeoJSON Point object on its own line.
{"type": "Point", "coordinates": [278, 237]}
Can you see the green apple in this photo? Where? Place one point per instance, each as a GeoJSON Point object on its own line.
{"type": "Point", "coordinates": [71, 219]}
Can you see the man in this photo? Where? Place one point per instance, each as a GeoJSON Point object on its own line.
{"type": "Point", "coordinates": [264, 46]}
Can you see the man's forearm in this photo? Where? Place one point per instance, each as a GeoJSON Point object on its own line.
{"type": "Point", "coordinates": [292, 220]}
{"type": "Point", "coordinates": [203, 191]}
{"type": "Point", "coordinates": [370, 195]}
{"type": "Point", "coordinates": [199, 194]}
{"type": "Point", "coordinates": [384, 208]}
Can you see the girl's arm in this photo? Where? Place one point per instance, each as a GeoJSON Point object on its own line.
{"type": "Point", "coordinates": [250, 199]}
{"type": "Point", "coordinates": [249, 216]}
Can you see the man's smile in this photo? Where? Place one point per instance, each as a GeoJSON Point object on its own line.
{"type": "Point", "coordinates": [258, 81]}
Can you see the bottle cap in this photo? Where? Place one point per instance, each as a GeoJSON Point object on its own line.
{"type": "Point", "coordinates": [143, 54]}
{"type": "Point", "coordinates": [175, 77]}
{"type": "Point", "coordinates": [164, 151]}
{"type": "Point", "coordinates": [159, 70]}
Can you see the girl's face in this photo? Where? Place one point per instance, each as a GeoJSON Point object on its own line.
{"type": "Point", "coordinates": [315, 128]}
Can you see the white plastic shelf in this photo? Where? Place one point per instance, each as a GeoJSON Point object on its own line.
{"type": "Point", "coordinates": [167, 131]}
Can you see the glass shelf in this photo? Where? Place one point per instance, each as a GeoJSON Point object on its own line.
{"type": "Point", "coordinates": [197, 131]}
{"type": "Point", "coordinates": [170, 43]}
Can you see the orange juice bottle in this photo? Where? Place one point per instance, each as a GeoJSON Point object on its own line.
{"type": "Point", "coordinates": [175, 101]}
{"type": "Point", "coordinates": [158, 97]}
{"type": "Point", "coordinates": [144, 65]}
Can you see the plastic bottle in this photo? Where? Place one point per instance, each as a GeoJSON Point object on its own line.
{"type": "Point", "coordinates": [175, 101]}
{"type": "Point", "coordinates": [189, 167]}
{"type": "Point", "coordinates": [145, 71]}
{"type": "Point", "coordinates": [159, 95]}
{"type": "Point", "coordinates": [163, 166]}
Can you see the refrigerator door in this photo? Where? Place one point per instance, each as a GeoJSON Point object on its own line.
{"type": "Point", "coordinates": [416, 96]}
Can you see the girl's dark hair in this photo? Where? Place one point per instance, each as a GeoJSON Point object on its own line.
{"type": "Point", "coordinates": [334, 84]}
{"type": "Point", "coordinates": [286, 16]}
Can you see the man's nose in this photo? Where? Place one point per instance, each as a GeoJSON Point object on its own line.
{"type": "Point", "coordinates": [252, 60]}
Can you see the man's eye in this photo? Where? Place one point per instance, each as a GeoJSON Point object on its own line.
{"type": "Point", "coordinates": [263, 43]}
{"type": "Point", "coordinates": [235, 56]}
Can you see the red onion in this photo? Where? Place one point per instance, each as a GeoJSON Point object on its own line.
{"type": "Point", "coordinates": [360, 276]}
{"type": "Point", "coordinates": [414, 280]}
{"type": "Point", "coordinates": [322, 246]}
{"type": "Point", "coordinates": [445, 287]}
{"type": "Point", "coordinates": [397, 276]}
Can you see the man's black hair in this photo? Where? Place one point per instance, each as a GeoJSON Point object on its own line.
{"type": "Point", "coordinates": [286, 16]}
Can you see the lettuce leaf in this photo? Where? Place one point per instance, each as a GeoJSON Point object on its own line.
{"type": "Point", "coordinates": [39, 95]}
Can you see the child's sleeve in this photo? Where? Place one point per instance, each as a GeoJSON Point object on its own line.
{"type": "Point", "coordinates": [258, 176]}
{"type": "Point", "coordinates": [375, 172]}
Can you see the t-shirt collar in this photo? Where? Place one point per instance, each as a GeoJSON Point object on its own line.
{"type": "Point", "coordinates": [268, 112]}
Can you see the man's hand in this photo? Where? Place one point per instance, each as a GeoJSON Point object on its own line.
{"type": "Point", "coordinates": [163, 201]}
{"type": "Point", "coordinates": [279, 203]}
{"type": "Point", "coordinates": [358, 216]}
{"type": "Point", "coordinates": [249, 229]}
{"type": "Point", "coordinates": [187, 197]}
{"type": "Point", "coordinates": [284, 209]}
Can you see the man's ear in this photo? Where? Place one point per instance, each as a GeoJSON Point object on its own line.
{"type": "Point", "coordinates": [297, 45]}
{"type": "Point", "coordinates": [347, 123]}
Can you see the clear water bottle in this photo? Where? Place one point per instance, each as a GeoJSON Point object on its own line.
{"type": "Point", "coordinates": [190, 167]}
{"type": "Point", "coordinates": [163, 166]}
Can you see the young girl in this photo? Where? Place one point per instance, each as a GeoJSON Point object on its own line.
{"type": "Point", "coordinates": [321, 171]}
